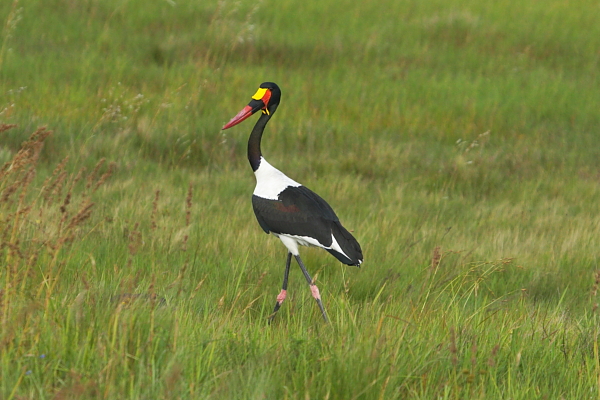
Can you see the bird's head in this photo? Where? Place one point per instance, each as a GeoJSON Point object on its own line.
{"type": "Point", "coordinates": [266, 99]}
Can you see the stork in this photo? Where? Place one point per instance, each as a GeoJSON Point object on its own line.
{"type": "Point", "coordinates": [290, 211]}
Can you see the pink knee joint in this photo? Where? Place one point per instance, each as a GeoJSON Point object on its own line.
{"type": "Point", "coordinates": [281, 296]}
{"type": "Point", "coordinates": [315, 292]}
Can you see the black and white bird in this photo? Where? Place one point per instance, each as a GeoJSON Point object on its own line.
{"type": "Point", "coordinates": [288, 210]}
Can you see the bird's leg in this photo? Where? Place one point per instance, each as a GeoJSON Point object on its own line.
{"type": "Point", "coordinates": [283, 293]}
{"type": "Point", "coordinates": [313, 288]}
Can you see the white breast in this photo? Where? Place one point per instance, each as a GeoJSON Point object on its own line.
{"type": "Point", "coordinates": [270, 181]}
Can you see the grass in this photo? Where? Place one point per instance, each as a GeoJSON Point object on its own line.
{"type": "Point", "coordinates": [457, 139]}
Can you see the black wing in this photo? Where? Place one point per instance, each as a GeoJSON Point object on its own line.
{"type": "Point", "coordinates": [300, 211]}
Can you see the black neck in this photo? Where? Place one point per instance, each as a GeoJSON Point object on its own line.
{"type": "Point", "coordinates": [254, 153]}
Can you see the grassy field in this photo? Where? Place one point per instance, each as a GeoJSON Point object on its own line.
{"type": "Point", "coordinates": [457, 139]}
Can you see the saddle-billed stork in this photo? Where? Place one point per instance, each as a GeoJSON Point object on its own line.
{"type": "Point", "coordinates": [288, 210]}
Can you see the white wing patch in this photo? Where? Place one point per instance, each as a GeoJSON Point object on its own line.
{"type": "Point", "coordinates": [336, 246]}
{"type": "Point", "coordinates": [270, 181]}
{"type": "Point", "coordinates": [292, 242]}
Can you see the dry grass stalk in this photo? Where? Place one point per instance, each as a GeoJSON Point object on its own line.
{"type": "Point", "coordinates": [6, 194]}
{"type": "Point", "coordinates": [188, 204]}
{"type": "Point", "coordinates": [188, 215]}
{"type": "Point", "coordinates": [435, 259]}
{"type": "Point", "coordinates": [83, 214]}
{"type": "Point", "coordinates": [50, 184]}
{"type": "Point", "coordinates": [92, 175]}
{"type": "Point", "coordinates": [135, 239]}
{"type": "Point", "coordinates": [452, 347]}
{"type": "Point", "coordinates": [595, 289]}
{"type": "Point", "coordinates": [111, 168]}
{"type": "Point", "coordinates": [154, 210]}
{"type": "Point", "coordinates": [5, 127]}
{"type": "Point", "coordinates": [492, 359]}
{"type": "Point", "coordinates": [30, 246]}
{"type": "Point", "coordinates": [21, 170]}
{"type": "Point", "coordinates": [474, 355]}
{"type": "Point", "coordinates": [596, 283]}
{"type": "Point", "coordinates": [27, 156]}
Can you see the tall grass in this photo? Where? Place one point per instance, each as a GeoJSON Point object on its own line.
{"type": "Point", "coordinates": [456, 139]}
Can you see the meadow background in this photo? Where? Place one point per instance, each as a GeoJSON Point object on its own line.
{"type": "Point", "coordinates": [457, 139]}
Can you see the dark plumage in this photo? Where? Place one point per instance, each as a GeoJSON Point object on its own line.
{"type": "Point", "coordinates": [301, 212]}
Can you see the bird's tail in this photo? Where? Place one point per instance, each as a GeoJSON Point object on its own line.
{"type": "Point", "coordinates": [352, 253]}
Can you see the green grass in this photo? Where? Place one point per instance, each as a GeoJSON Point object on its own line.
{"type": "Point", "coordinates": [457, 139]}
